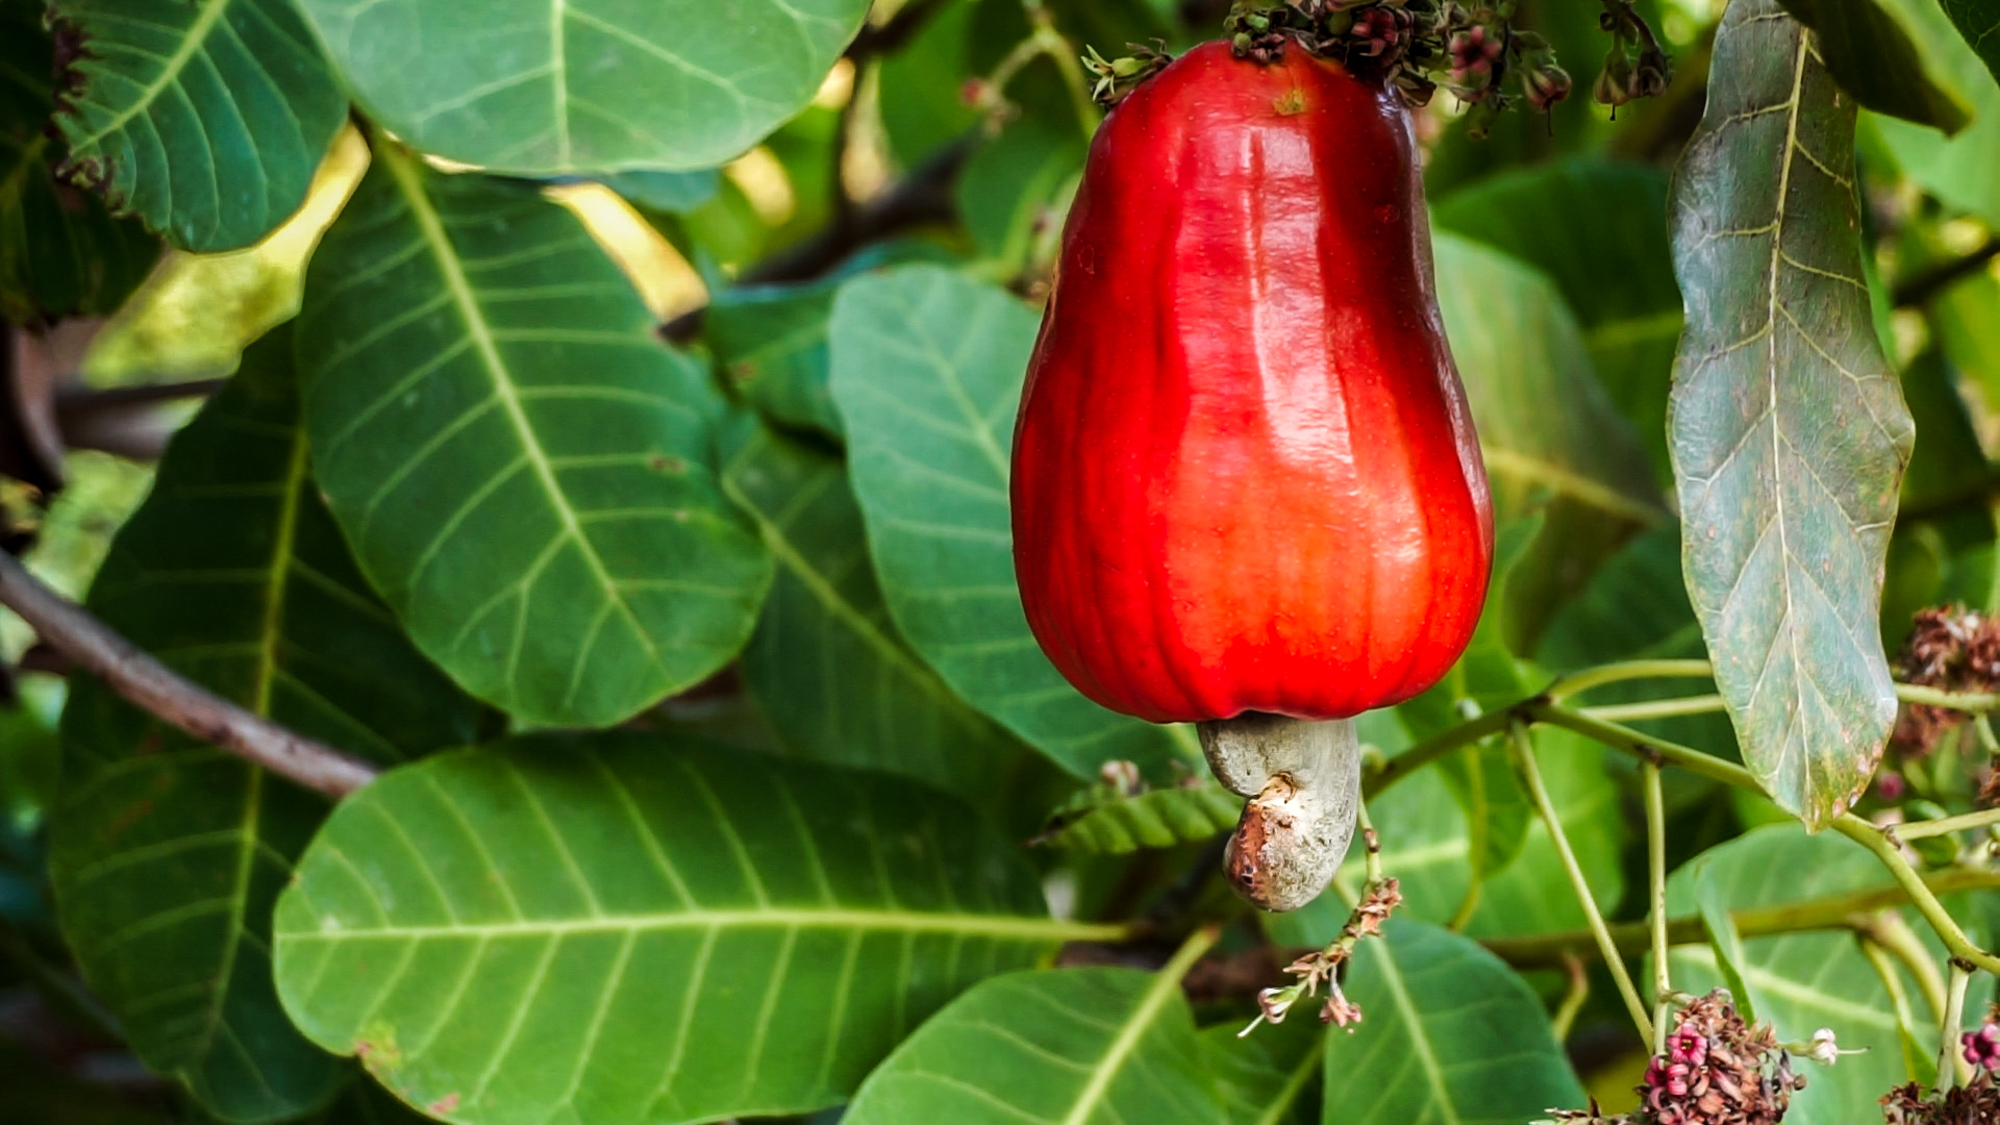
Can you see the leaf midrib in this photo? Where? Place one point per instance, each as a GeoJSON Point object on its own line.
{"type": "Point", "coordinates": [495, 365]}
{"type": "Point", "coordinates": [194, 41]}
{"type": "Point", "coordinates": [985, 925]}
{"type": "Point", "coordinates": [1419, 1040]}
{"type": "Point", "coordinates": [1165, 984]}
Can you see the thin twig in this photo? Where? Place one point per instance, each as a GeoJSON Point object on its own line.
{"type": "Point", "coordinates": [1657, 708]}
{"type": "Point", "coordinates": [1971, 702]}
{"type": "Point", "coordinates": [1948, 1027]}
{"type": "Point", "coordinates": [1575, 682]}
{"type": "Point", "coordinates": [1656, 878]}
{"type": "Point", "coordinates": [1918, 288]}
{"type": "Point", "coordinates": [1899, 999]}
{"type": "Point", "coordinates": [1918, 829]}
{"type": "Point", "coordinates": [1531, 772]}
{"type": "Point", "coordinates": [1573, 999]}
{"type": "Point", "coordinates": [164, 693]}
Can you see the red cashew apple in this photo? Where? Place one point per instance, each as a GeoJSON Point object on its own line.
{"type": "Point", "coordinates": [1246, 487]}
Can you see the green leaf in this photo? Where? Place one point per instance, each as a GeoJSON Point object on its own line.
{"type": "Point", "coordinates": [205, 119]}
{"type": "Point", "coordinates": [1789, 433]}
{"type": "Point", "coordinates": [1878, 51]}
{"type": "Point", "coordinates": [1015, 189]}
{"type": "Point", "coordinates": [927, 371]}
{"type": "Point", "coordinates": [542, 87]}
{"type": "Point", "coordinates": [168, 854]}
{"type": "Point", "coordinates": [1094, 1046]}
{"type": "Point", "coordinates": [1271, 1076]}
{"type": "Point", "coordinates": [525, 472]}
{"type": "Point", "coordinates": [675, 193]}
{"type": "Point", "coordinates": [1160, 818]}
{"type": "Point", "coordinates": [1712, 901]}
{"type": "Point", "coordinates": [1978, 21]}
{"type": "Point", "coordinates": [1449, 1034]}
{"type": "Point", "coordinates": [1598, 229]}
{"type": "Point", "coordinates": [61, 252]}
{"type": "Point", "coordinates": [1947, 456]}
{"type": "Point", "coordinates": [633, 928]}
{"type": "Point", "coordinates": [1803, 981]}
{"type": "Point", "coordinates": [826, 665]}
{"type": "Point", "coordinates": [1545, 425]}
{"type": "Point", "coordinates": [1966, 321]}
{"type": "Point", "coordinates": [916, 116]}
{"type": "Point", "coordinates": [770, 341]}
{"type": "Point", "coordinates": [1964, 170]}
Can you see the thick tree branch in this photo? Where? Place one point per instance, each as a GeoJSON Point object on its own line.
{"type": "Point", "coordinates": [900, 29]}
{"type": "Point", "coordinates": [162, 692]}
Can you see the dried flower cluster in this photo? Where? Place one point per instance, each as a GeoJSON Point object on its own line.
{"type": "Point", "coordinates": [1717, 1070]}
{"type": "Point", "coordinates": [1322, 967]}
{"type": "Point", "coordinates": [1954, 650]}
{"type": "Point", "coordinates": [1977, 1102]}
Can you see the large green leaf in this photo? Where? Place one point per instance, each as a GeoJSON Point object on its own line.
{"type": "Point", "coordinates": [1449, 1034]}
{"type": "Point", "coordinates": [526, 474]}
{"type": "Point", "coordinates": [1545, 425]}
{"type": "Point", "coordinates": [206, 119]}
{"type": "Point", "coordinates": [1160, 818]}
{"type": "Point", "coordinates": [826, 664]}
{"type": "Point", "coordinates": [1093, 1046]}
{"type": "Point", "coordinates": [770, 340]}
{"type": "Point", "coordinates": [549, 86]}
{"type": "Point", "coordinates": [1878, 51]}
{"type": "Point", "coordinates": [1789, 432]}
{"type": "Point", "coordinates": [927, 371]}
{"type": "Point", "coordinates": [168, 854]}
{"type": "Point", "coordinates": [1598, 229]}
{"type": "Point", "coordinates": [1979, 22]}
{"type": "Point", "coordinates": [641, 928]}
{"type": "Point", "coordinates": [1805, 981]}
{"type": "Point", "coordinates": [1963, 170]}
{"type": "Point", "coordinates": [1272, 1076]}
{"type": "Point", "coordinates": [61, 252]}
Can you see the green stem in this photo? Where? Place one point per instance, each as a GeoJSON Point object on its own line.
{"type": "Point", "coordinates": [1656, 876]}
{"type": "Point", "coordinates": [1987, 741]}
{"type": "Point", "coordinates": [1847, 824]}
{"type": "Point", "coordinates": [1889, 931]}
{"type": "Point", "coordinates": [1918, 829]}
{"type": "Point", "coordinates": [1656, 708]}
{"type": "Point", "coordinates": [1973, 702]}
{"type": "Point", "coordinates": [1836, 912]}
{"type": "Point", "coordinates": [1573, 1000]}
{"type": "Point", "coordinates": [1948, 1029]}
{"type": "Point", "coordinates": [1433, 748]}
{"type": "Point", "coordinates": [1052, 43]}
{"type": "Point", "coordinates": [1531, 772]}
{"type": "Point", "coordinates": [1898, 999]}
{"type": "Point", "coordinates": [1371, 842]}
{"type": "Point", "coordinates": [1191, 950]}
{"type": "Point", "coordinates": [1588, 678]}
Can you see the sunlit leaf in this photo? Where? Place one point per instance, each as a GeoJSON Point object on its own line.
{"type": "Point", "coordinates": [1094, 1046]}
{"type": "Point", "coordinates": [631, 928]}
{"type": "Point", "coordinates": [168, 854]}
{"type": "Point", "coordinates": [1788, 430]}
{"type": "Point", "coordinates": [927, 371]}
{"type": "Point", "coordinates": [1448, 1034]}
{"type": "Point", "coordinates": [206, 119]}
{"type": "Point", "coordinates": [553, 86]}
{"type": "Point", "coordinates": [526, 473]}
{"type": "Point", "coordinates": [826, 665]}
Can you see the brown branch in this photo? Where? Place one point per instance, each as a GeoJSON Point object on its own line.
{"type": "Point", "coordinates": [900, 29]}
{"type": "Point", "coordinates": [1919, 288]}
{"type": "Point", "coordinates": [153, 686]}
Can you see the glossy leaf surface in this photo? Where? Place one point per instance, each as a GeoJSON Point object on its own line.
{"type": "Point", "coordinates": [525, 471]}
{"type": "Point", "coordinates": [641, 928]}
{"type": "Point", "coordinates": [1271, 1076]}
{"type": "Point", "coordinates": [927, 369]}
{"type": "Point", "coordinates": [542, 87]}
{"type": "Point", "coordinates": [826, 665]}
{"type": "Point", "coordinates": [61, 252]}
{"type": "Point", "coordinates": [1095, 1046]}
{"type": "Point", "coordinates": [771, 342]}
{"type": "Point", "coordinates": [205, 119]}
{"type": "Point", "coordinates": [1449, 1034]}
{"type": "Point", "coordinates": [1789, 433]}
{"type": "Point", "coordinates": [168, 854]}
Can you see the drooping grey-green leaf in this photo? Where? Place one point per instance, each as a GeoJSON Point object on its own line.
{"type": "Point", "coordinates": [1978, 21]}
{"type": "Point", "coordinates": [1788, 430]}
{"type": "Point", "coordinates": [168, 854]}
{"type": "Point", "coordinates": [1598, 229]}
{"type": "Point", "coordinates": [1160, 818]}
{"type": "Point", "coordinates": [629, 928]}
{"type": "Point", "coordinates": [206, 119]}
{"type": "Point", "coordinates": [61, 252]}
{"type": "Point", "coordinates": [1271, 1076]}
{"type": "Point", "coordinates": [1801, 982]}
{"type": "Point", "coordinates": [1545, 426]}
{"type": "Point", "coordinates": [541, 87]}
{"type": "Point", "coordinates": [526, 473]}
{"type": "Point", "coordinates": [1448, 1034]}
{"type": "Point", "coordinates": [826, 665]}
{"type": "Point", "coordinates": [1878, 51]}
{"type": "Point", "coordinates": [1094, 1046]}
{"type": "Point", "coordinates": [771, 343]}
{"type": "Point", "coordinates": [927, 371]}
